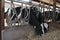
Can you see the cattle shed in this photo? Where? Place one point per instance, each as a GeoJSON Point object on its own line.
{"type": "Point", "coordinates": [30, 19]}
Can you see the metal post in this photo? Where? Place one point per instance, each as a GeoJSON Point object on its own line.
{"type": "Point", "coordinates": [54, 9]}
{"type": "Point", "coordinates": [49, 11]}
{"type": "Point", "coordinates": [1, 16]}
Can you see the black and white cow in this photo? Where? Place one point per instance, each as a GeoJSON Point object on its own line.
{"type": "Point", "coordinates": [58, 18]}
{"type": "Point", "coordinates": [36, 19]}
{"type": "Point", "coordinates": [49, 16]}
{"type": "Point", "coordinates": [16, 17]}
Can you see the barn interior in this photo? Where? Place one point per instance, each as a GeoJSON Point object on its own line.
{"type": "Point", "coordinates": [30, 19]}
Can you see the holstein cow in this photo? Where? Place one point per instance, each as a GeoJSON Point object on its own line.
{"type": "Point", "coordinates": [21, 12]}
{"type": "Point", "coordinates": [37, 21]}
{"type": "Point", "coordinates": [8, 14]}
{"type": "Point", "coordinates": [18, 15]}
{"type": "Point", "coordinates": [49, 16]}
{"type": "Point", "coordinates": [58, 18]}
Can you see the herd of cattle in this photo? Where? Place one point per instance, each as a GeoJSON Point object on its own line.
{"type": "Point", "coordinates": [33, 16]}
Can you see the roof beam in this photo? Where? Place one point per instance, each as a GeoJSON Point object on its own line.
{"type": "Point", "coordinates": [49, 2]}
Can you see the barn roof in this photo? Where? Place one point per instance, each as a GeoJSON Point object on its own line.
{"type": "Point", "coordinates": [49, 2]}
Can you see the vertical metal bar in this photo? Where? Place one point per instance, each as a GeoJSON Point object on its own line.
{"type": "Point", "coordinates": [29, 11]}
{"type": "Point", "coordinates": [54, 9]}
{"type": "Point", "coordinates": [1, 16]}
{"type": "Point", "coordinates": [41, 7]}
{"type": "Point", "coordinates": [49, 10]}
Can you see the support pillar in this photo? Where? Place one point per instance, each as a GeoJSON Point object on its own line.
{"type": "Point", "coordinates": [54, 10]}
{"type": "Point", "coordinates": [1, 16]}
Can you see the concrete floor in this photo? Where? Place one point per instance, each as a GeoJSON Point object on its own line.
{"type": "Point", "coordinates": [52, 34]}
{"type": "Point", "coordinates": [15, 32]}
{"type": "Point", "coordinates": [20, 33]}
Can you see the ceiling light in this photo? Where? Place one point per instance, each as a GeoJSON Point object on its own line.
{"type": "Point", "coordinates": [26, 0]}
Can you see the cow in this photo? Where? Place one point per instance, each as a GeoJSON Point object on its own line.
{"type": "Point", "coordinates": [37, 21]}
{"type": "Point", "coordinates": [58, 18]}
{"type": "Point", "coordinates": [16, 17]}
{"type": "Point", "coordinates": [6, 18]}
{"type": "Point", "coordinates": [49, 16]}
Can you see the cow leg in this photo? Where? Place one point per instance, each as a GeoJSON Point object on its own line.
{"type": "Point", "coordinates": [35, 22]}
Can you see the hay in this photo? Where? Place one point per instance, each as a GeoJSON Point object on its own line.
{"type": "Point", "coordinates": [52, 34]}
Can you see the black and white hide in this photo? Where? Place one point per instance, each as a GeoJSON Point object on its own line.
{"type": "Point", "coordinates": [37, 21]}
{"type": "Point", "coordinates": [5, 13]}
{"type": "Point", "coordinates": [48, 16]}
{"type": "Point", "coordinates": [58, 18]}
{"type": "Point", "coordinates": [16, 17]}
{"type": "Point", "coordinates": [20, 14]}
